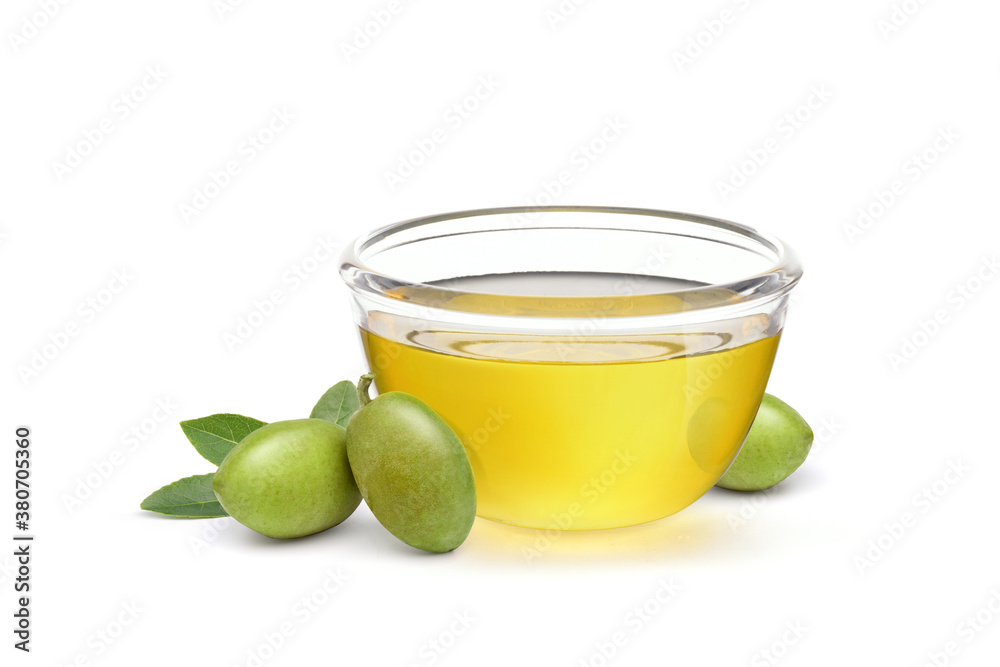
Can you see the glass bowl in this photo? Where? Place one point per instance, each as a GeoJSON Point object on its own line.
{"type": "Point", "coordinates": [602, 366]}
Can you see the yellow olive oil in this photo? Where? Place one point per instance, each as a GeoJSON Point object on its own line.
{"type": "Point", "coordinates": [586, 430]}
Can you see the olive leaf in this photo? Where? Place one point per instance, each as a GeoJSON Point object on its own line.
{"type": "Point", "coordinates": [190, 497]}
{"type": "Point", "coordinates": [214, 436]}
{"type": "Point", "coordinates": [338, 403]}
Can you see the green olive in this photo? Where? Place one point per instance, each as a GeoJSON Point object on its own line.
{"type": "Point", "coordinates": [412, 470]}
{"type": "Point", "coordinates": [289, 479]}
{"type": "Point", "coordinates": [778, 443]}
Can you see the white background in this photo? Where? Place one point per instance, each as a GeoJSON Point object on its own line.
{"type": "Point", "coordinates": [885, 432]}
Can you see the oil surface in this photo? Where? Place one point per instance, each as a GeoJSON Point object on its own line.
{"type": "Point", "coordinates": [581, 432]}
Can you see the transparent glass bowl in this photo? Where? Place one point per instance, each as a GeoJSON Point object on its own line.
{"type": "Point", "coordinates": [602, 366]}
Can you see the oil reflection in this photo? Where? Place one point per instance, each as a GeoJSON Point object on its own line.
{"type": "Point", "coordinates": [691, 532]}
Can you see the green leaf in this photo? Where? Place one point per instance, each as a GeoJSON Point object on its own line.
{"type": "Point", "coordinates": [216, 435]}
{"type": "Point", "coordinates": [338, 403]}
{"type": "Point", "coordinates": [191, 497]}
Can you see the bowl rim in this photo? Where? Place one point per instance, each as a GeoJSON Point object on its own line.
{"type": "Point", "coordinates": [777, 280]}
